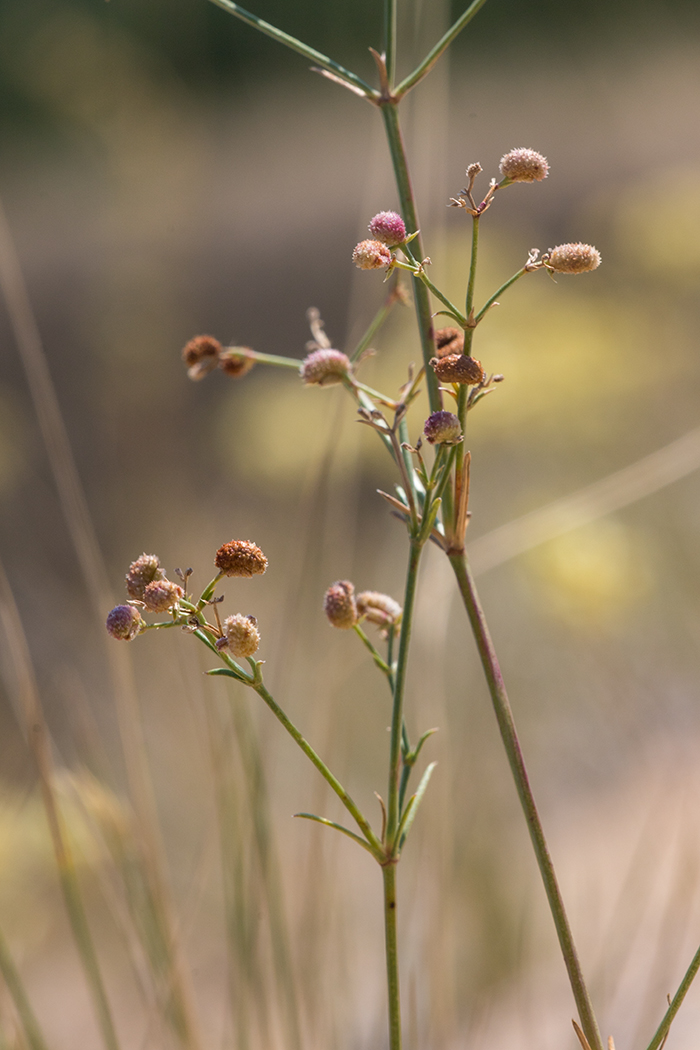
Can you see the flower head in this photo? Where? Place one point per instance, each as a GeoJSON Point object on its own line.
{"type": "Point", "coordinates": [371, 255]}
{"type": "Point", "coordinates": [458, 368]}
{"type": "Point", "coordinates": [325, 367]}
{"type": "Point", "coordinates": [141, 572]}
{"type": "Point", "coordinates": [339, 604]}
{"type": "Point", "coordinates": [379, 609]}
{"type": "Point", "coordinates": [523, 165]}
{"type": "Point", "coordinates": [573, 258]}
{"type": "Point", "coordinates": [161, 595]}
{"type": "Point", "coordinates": [201, 355]}
{"type": "Point", "coordinates": [242, 635]}
{"type": "Point", "coordinates": [236, 361]}
{"type": "Point", "coordinates": [388, 227]}
{"type": "Point", "coordinates": [124, 622]}
{"type": "Point", "coordinates": [442, 428]}
{"type": "Point", "coordinates": [240, 558]}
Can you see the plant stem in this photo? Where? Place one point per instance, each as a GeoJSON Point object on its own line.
{"type": "Point", "coordinates": [392, 955]}
{"type": "Point", "coordinates": [469, 332]}
{"type": "Point", "coordinates": [662, 1031]}
{"type": "Point", "coordinates": [424, 318]}
{"type": "Point", "coordinates": [393, 815]}
{"type": "Point", "coordinates": [296, 45]}
{"type": "Point", "coordinates": [431, 58]}
{"type": "Point", "coordinates": [390, 39]}
{"type": "Point", "coordinates": [506, 725]}
{"type": "Point", "coordinates": [492, 300]}
{"type": "Point", "coordinates": [30, 1026]}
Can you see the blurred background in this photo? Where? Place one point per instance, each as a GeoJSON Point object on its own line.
{"type": "Point", "coordinates": [167, 171]}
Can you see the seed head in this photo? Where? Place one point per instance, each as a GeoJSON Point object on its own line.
{"type": "Point", "coordinates": [161, 595]}
{"type": "Point", "coordinates": [523, 165]}
{"type": "Point", "coordinates": [387, 227]}
{"type": "Point", "coordinates": [379, 608]}
{"type": "Point", "coordinates": [339, 604]}
{"type": "Point", "coordinates": [124, 622]}
{"type": "Point", "coordinates": [201, 355]}
{"type": "Point", "coordinates": [240, 558]}
{"type": "Point", "coordinates": [236, 361]}
{"type": "Point", "coordinates": [371, 255]}
{"type": "Point", "coordinates": [458, 368]}
{"type": "Point", "coordinates": [449, 341]}
{"type": "Point", "coordinates": [325, 367]}
{"type": "Point", "coordinates": [142, 572]}
{"type": "Point", "coordinates": [573, 258]}
{"type": "Point", "coordinates": [242, 634]}
{"type": "Point", "coordinates": [442, 428]}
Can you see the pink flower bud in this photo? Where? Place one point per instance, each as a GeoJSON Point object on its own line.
{"type": "Point", "coordinates": [371, 255]}
{"type": "Point", "coordinates": [142, 572]}
{"type": "Point", "coordinates": [124, 622]}
{"type": "Point", "coordinates": [325, 367]}
{"type": "Point", "coordinates": [242, 634]}
{"type": "Point", "coordinates": [339, 604]}
{"type": "Point", "coordinates": [388, 227]}
{"type": "Point", "coordinates": [162, 595]}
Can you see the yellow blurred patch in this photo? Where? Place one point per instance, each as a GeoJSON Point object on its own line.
{"type": "Point", "coordinates": [658, 224]}
{"type": "Point", "coordinates": [595, 574]}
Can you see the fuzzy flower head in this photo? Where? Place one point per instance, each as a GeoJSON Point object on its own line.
{"type": "Point", "coordinates": [236, 361]}
{"type": "Point", "coordinates": [241, 634]}
{"type": "Point", "coordinates": [339, 604]}
{"type": "Point", "coordinates": [124, 622]}
{"type": "Point", "coordinates": [162, 595]}
{"type": "Point", "coordinates": [201, 356]}
{"type": "Point", "coordinates": [379, 609]}
{"type": "Point", "coordinates": [523, 165]}
{"type": "Point", "coordinates": [141, 572]}
{"type": "Point", "coordinates": [458, 368]}
{"type": "Point", "coordinates": [240, 558]}
{"type": "Point", "coordinates": [442, 428]}
{"type": "Point", "coordinates": [371, 255]}
{"type": "Point", "coordinates": [325, 367]}
{"type": "Point", "coordinates": [388, 227]}
{"type": "Point", "coordinates": [573, 258]}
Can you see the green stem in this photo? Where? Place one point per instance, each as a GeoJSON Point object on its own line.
{"type": "Point", "coordinates": [458, 315]}
{"type": "Point", "coordinates": [393, 814]}
{"type": "Point", "coordinates": [375, 324]}
{"type": "Point", "coordinates": [662, 1031]}
{"type": "Point", "coordinates": [506, 725]}
{"type": "Point", "coordinates": [376, 656]}
{"type": "Point", "coordinates": [494, 297]}
{"type": "Point", "coordinates": [392, 955]}
{"type": "Point", "coordinates": [30, 1025]}
{"type": "Point", "coordinates": [469, 332]}
{"type": "Point", "coordinates": [431, 58]}
{"type": "Point", "coordinates": [323, 769]}
{"type": "Point", "coordinates": [271, 359]}
{"type": "Point", "coordinates": [297, 45]}
{"type": "Point", "coordinates": [390, 39]}
{"type": "Point", "coordinates": [424, 318]}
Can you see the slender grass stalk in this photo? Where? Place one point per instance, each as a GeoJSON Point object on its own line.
{"type": "Point", "coordinates": [424, 318]}
{"type": "Point", "coordinates": [469, 332]}
{"type": "Point", "coordinates": [663, 1029]}
{"type": "Point", "coordinates": [506, 725]}
{"type": "Point", "coordinates": [15, 986]}
{"type": "Point", "coordinates": [297, 45]}
{"type": "Point", "coordinates": [392, 954]}
{"type": "Point", "coordinates": [442, 45]}
{"type": "Point", "coordinates": [390, 27]}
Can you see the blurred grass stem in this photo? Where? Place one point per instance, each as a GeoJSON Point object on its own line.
{"type": "Point", "coordinates": [663, 1029]}
{"type": "Point", "coordinates": [10, 975]}
{"type": "Point", "coordinates": [506, 725]}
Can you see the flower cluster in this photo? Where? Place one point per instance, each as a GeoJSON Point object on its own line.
{"type": "Point", "coordinates": [204, 353]}
{"type": "Point", "coordinates": [344, 609]}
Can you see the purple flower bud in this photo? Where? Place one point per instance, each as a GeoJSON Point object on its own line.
{"type": "Point", "coordinates": [339, 604]}
{"type": "Point", "coordinates": [442, 428]}
{"type": "Point", "coordinates": [389, 228]}
{"type": "Point", "coordinates": [124, 622]}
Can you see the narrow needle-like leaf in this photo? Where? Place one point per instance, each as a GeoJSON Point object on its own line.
{"type": "Point", "coordinates": [338, 827]}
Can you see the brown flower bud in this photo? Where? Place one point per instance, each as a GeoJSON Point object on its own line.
{"type": "Point", "coordinates": [339, 604]}
{"type": "Point", "coordinates": [449, 341]}
{"type": "Point", "coordinates": [325, 367]}
{"type": "Point", "coordinates": [236, 361]}
{"type": "Point", "coordinates": [458, 368]}
{"type": "Point", "coordinates": [124, 622]}
{"type": "Point", "coordinates": [573, 258]}
{"type": "Point", "coordinates": [242, 634]}
{"type": "Point", "coordinates": [371, 255]}
{"type": "Point", "coordinates": [442, 428]}
{"type": "Point", "coordinates": [201, 355]}
{"type": "Point", "coordinates": [240, 558]}
{"type": "Point", "coordinates": [161, 595]}
{"type": "Point", "coordinates": [379, 608]}
{"type": "Point", "coordinates": [523, 165]}
{"type": "Point", "coordinates": [142, 572]}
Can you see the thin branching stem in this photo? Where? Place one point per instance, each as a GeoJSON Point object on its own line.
{"type": "Point", "coordinates": [506, 725]}
{"type": "Point", "coordinates": [390, 26]}
{"type": "Point", "coordinates": [469, 332]}
{"type": "Point", "coordinates": [442, 45]}
{"type": "Point", "coordinates": [392, 955]}
{"type": "Point", "coordinates": [663, 1029]}
{"type": "Point", "coordinates": [296, 45]}
{"type": "Point", "coordinates": [511, 280]}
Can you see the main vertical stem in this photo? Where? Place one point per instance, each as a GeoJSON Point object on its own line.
{"type": "Point", "coordinates": [506, 724]}
{"type": "Point", "coordinates": [392, 956]}
{"type": "Point", "coordinates": [424, 317]}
